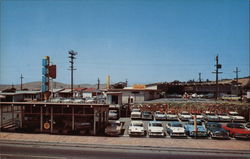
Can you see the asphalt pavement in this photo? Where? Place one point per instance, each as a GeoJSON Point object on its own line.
{"type": "Point", "coordinates": [40, 150]}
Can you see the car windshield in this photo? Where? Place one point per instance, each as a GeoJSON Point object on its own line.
{"type": "Point", "coordinates": [196, 113]}
{"type": "Point", "coordinates": [197, 122]}
{"type": "Point", "coordinates": [223, 114]}
{"type": "Point", "coordinates": [138, 124]}
{"type": "Point", "coordinates": [176, 125]}
{"type": "Point", "coordinates": [147, 113]}
{"type": "Point", "coordinates": [171, 113]}
{"type": "Point", "coordinates": [234, 114]}
{"type": "Point", "coordinates": [239, 126]}
{"type": "Point", "coordinates": [157, 124]}
{"type": "Point", "coordinates": [114, 124]}
{"type": "Point", "coordinates": [159, 113]}
{"type": "Point", "coordinates": [215, 125]}
{"type": "Point", "coordinates": [136, 110]}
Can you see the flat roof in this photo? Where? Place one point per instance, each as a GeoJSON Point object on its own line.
{"type": "Point", "coordinates": [54, 104]}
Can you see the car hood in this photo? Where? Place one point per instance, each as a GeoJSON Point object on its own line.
{"type": "Point", "coordinates": [224, 117]}
{"type": "Point", "coordinates": [113, 128]}
{"type": "Point", "coordinates": [238, 117]}
{"type": "Point", "coordinates": [136, 128]}
{"type": "Point", "coordinates": [211, 116]}
{"type": "Point", "coordinates": [160, 115]}
{"type": "Point", "coordinates": [171, 115]}
{"type": "Point", "coordinates": [136, 113]}
{"type": "Point", "coordinates": [177, 129]}
{"type": "Point", "coordinates": [186, 116]}
{"type": "Point", "coordinates": [217, 130]}
{"type": "Point", "coordinates": [156, 129]}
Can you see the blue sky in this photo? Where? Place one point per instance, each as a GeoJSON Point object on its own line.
{"type": "Point", "coordinates": [143, 41]}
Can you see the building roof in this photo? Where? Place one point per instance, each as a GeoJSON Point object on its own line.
{"type": "Point", "coordinates": [67, 90]}
{"type": "Point", "coordinates": [90, 90]}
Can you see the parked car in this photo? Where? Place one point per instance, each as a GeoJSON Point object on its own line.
{"type": "Point", "coordinates": [184, 116]}
{"type": "Point", "coordinates": [237, 130]}
{"type": "Point", "coordinates": [114, 128]}
{"type": "Point", "coordinates": [67, 100]}
{"type": "Point", "coordinates": [198, 115]}
{"type": "Point", "coordinates": [171, 115]}
{"type": "Point", "coordinates": [136, 114]}
{"type": "Point", "coordinates": [78, 100]}
{"type": "Point", "coordinates": [236, 117]}
{"type": "Point", "coordinates": [56, 100]}
{"type": "Point", "coordinates": [215, 130]}
{"type": "Point", "coordinates": [210, 116]}
{"type": "Point", "coordinates": [155, 128]}
{"type": "Point", "coordinates": [190, 129]}
{"type": "Point", "coordinates": [136, 128]}
{"type": "Point", "coordinates": [160, 115]}
{"type": "Point", "coordinates": [175, 129]}
{"type": "Point", "coordinates": [113, 115]}
{"type": "Point", "coordinates": [224, 117]}
{"type": "Point", "coordinates": [147, 115]}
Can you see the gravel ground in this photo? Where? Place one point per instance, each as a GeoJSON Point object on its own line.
{"type": "Point", "coordinates": [158, 142]}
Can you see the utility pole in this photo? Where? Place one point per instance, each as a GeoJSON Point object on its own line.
{"type": "Point", "coordinates": [217, 67]}
{"type": "Point", "coordinates": [72, 55]}
{"type": "Point", "coordinates": [98, 83]}
{"type": "Point", "coordinates": [21, 82]}
{"type": "Point", "coordinates": [237, 86]}
{"type": "Point", "coordinates": [200, 77]}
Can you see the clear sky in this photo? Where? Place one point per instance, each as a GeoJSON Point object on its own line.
{"type": "Point", "coordinates": [143, 41]}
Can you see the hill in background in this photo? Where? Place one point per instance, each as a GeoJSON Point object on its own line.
{"type": "Point", "coordinates": [37, 86]}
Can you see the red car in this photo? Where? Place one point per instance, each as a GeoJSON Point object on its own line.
{"type": "Point", "coordinates": [237, 130]}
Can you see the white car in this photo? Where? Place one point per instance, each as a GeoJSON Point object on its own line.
{"type": "Point", "coordinates": [211, 116]}
{"type": "Point", "coordinates": [78, 101]}
{"type": "Point", "coordinates": [184, 115]}
{"type": "Point", "coordinates": [160, 115]}
{"type": "Point", "coordinates": [171, 116]}
{"type": "Point", "coordinates": [136, 128]}
{"type": "Point", "coordinates": [175, 129]}
{"type": "Point", "coordinates": [136, 114]}
{"type": "Point", "coordinates": [236, 117]}
{"type": "Point", "coordinates": [155, 128]}
{"type": "Point", "coordinates": [224, 117]}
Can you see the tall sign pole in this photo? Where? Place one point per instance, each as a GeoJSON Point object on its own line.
{"type": "Point", "coordinates": [72, 55]}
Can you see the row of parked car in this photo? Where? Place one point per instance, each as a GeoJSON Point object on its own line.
{"type": "Point", "coordinates": [185, 116]}
{"type": "Point", "coordinates": [193, 128]}
{"type": "Point", "coordinates": [73, 100]}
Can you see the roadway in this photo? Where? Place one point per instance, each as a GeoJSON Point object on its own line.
{"type": "Point", "coordinates": [42, 150]}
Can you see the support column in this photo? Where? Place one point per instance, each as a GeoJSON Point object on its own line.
{"type": "Point", "coordinates": [21, 117]}
{"type": "Point", "coordinates": [95, 113]}
{"type": "Point", "coordinates": [12, 113]}
{"type": "Point", "coordinates": [51, 119]}
{"type": "Point", "coordinates": [41, 119]}
{"type": "Point", "coordinates": [1, 117]}
{"type": "Point", "coordinates": [73, 118]}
